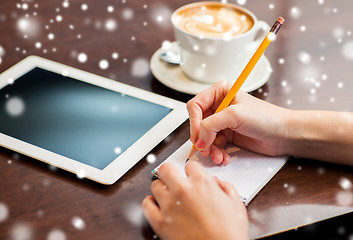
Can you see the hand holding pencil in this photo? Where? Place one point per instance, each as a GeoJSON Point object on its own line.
{"type": "Point", "coordinates": [228, 98]}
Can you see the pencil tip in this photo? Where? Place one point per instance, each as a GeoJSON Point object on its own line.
{"type": "Point", "coordinates": [187, 160]}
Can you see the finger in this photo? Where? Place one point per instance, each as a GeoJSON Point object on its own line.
{"type": "Point", "coordinates": [198, 108]}
{"type": "Point", "coordinates": [194, 169]}
{"type": "Point", "coordinates": [212, 125]}
{"type": "Point", "coordinates": [206, 152]}
{"type": "Point", "coordinates": [219, 156]}
{"type": "Point", "coordinates": [195, 112]}
{"type": "Point", "coordinates": [228, 188]}
{"type": "Point", "coordinates": [226, 157]}
{"type": "Point", "coordinates": [170, 175]}
{"type": "Point", "coordinates": [216, 154]}
{"type": "Point", "coordinates": [159, 190]}
{"type": "Point", "coordinates": [203, 105]}
{"type": "Point", "coordinates": [151, 211]}
{"type": "Point", "coordinates": [221, 142]}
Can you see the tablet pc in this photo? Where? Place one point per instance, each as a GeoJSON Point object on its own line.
{"type": "Point", "coordinates": [86, 124]}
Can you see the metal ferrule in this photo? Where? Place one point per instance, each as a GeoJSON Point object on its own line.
{"type": "Point", "coordinates": [275, 28]}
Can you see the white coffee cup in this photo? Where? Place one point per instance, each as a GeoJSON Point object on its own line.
{"type": "Point", "coordinates": [207, 56]}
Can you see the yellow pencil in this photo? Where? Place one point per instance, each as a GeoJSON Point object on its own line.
{"type": "Point", "coordinates": [245, 73]}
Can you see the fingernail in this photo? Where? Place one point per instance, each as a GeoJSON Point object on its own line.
{"type": "Point", "coordinates": [200, 144]}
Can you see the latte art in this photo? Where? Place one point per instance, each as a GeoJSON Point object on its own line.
{"type": "Point", "coordinates": [216, 21]}
{"type": "Point", "coordinates": [215, 39]}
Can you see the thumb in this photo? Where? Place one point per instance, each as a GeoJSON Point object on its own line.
{"type": "Point", "coordinates": [210, 126]}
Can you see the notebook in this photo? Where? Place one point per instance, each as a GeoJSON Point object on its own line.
{"type": "Point", "coordinates": [249, 172]}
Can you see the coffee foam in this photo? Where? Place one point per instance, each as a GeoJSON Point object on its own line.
{"type": "Point", "coordinates": [216, 21]}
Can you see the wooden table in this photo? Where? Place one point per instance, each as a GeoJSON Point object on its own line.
{"type": "Point", "coordinates": [312, 61]}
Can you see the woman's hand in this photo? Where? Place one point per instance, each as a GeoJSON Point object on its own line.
{"type": "Point", "coordinates": [248, 122]}
{"type": "Point", "coordinates": [196, 207]}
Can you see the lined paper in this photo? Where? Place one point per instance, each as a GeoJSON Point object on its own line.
{"type": "Point", "coordinates": [247, 171]}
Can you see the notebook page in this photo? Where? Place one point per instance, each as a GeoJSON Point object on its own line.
{"type": "Point", "coordinates": [247, 171]}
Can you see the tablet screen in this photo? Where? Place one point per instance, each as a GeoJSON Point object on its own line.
{"type": "Point", "coordinates": [75, 119]}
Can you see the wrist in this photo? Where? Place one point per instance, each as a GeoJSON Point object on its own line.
{"type": "Point", "coordinates": [294, 133]}
{"type": "Point", "coordinates": [319, 135]}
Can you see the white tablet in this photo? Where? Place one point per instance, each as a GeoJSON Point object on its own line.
{"type": "Point", "coordinates": [83, 123]}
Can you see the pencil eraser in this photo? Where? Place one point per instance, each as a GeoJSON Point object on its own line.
{"type": "Point", "coordinates": [280, 20]}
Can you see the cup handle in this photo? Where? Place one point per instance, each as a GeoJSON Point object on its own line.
{"type": "Point", "coordinates": [261, 25]}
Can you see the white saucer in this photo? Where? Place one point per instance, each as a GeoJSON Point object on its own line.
{"type": "Point", "coordinates": [172, 76]}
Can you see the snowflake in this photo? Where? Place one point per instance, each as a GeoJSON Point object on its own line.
{"type": "Point", "coordinates": [115, 55]}
{"type": "Point", "coordinates": [2, 51]}
{"type": "Point", "coordinates": [80, 173]}
{"type": "Point", "coordinates": [82, 57]}
{"type": "Point", "coordinates": [4, 212]}
{"type": "Point", "coordinates": [15, 106]}
{"type": "Point", "coordinates": [59, 18]}
{"type": "Point", "coordinates": [159, 13]}
{"type": "Point", "coordinates": [347, 50]}
{"type": "Point", "coordinates": [66, 4]}
{"type": "Point", "coordinates": [56, 234]}
{"type": "Point", "coordinates": [345, 183]}
{"type": "Point", "coordinates": [51, 36]}
{"type": "Point", "coordinates": [21, 231]}
{"type": "Point", "coordinates": [134, 213]}
{"type": "Point", "coordinates": [110, 9]}
{"type": "Point", "coordinates": [103, 64]}
{"type": "Point", "coordinates": [117, 150]}
{"type": "Point", "coordinates": [25, 6]}
{"type": "Point", "coordinates": [338, 32]}
{"type": "Point", "coordinates": [84, 7]}
{"type": "Point", "coordinates": [344, 198]}
{"type": "Point", "coordinates": [295, 12]}
{"type": "Point", "coordinates": [304, 57]}
{"type": "Point", "coordinates": [151, 158]}
{"type": "Point", "coordinates": [78, 223]}
{"type": "Point", "coordinates": [127, 14]}
{"type": "Point", "coordinates": [29, 27]}
{"type": "Point", "coordinates": [241, 2]}
{"type": "Point", "coordinates": [110, 25]}
{"type": "Point", "coordinates": [140, 67]}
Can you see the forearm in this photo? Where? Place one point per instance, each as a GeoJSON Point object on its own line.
{"type": "Point", "coordinates": [320, 135]}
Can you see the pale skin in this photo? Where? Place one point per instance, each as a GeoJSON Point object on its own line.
{"type": "Point", "coordinates": [268, 129]}
{"type": "Point", "coordinates": [212, 209]}
{"type": "Point", "coordinates": [197, 207]}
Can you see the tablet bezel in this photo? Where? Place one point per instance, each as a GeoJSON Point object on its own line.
{"type": "Point", "coordinates": [126, 160]}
